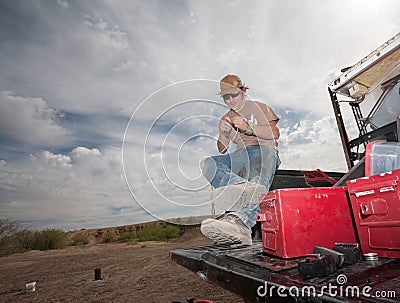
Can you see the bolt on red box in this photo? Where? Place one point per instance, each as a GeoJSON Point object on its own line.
{"type": "Point", "coordinates": [295, 220]}
{"type": "Point", "coordinates": [375, 202]}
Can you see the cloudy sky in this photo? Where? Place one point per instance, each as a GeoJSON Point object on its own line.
{"type": "Point", "coordinates": [107, 107]}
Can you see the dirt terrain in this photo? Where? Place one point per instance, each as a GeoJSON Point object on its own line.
{"type": "Point", "coordinates": [140, 272]}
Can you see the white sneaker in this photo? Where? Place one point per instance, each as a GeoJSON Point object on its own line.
{"type": "Point", "coordinates": [229, 230]}
{"type": "Point", "coordinates": [236, 197]}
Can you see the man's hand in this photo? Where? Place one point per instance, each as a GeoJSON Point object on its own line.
{"type": "Point", "coordinates": [226, 126]}
{"type": "Point", "coordinates": [240, 123]}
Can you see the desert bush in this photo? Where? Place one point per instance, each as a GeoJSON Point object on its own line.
{"type": "Point", "coordinates": [127, 237]}
{"type": "Point", "coordinates": [109, 236]}
{"type": "Point", "coordinates": [14, 239]}
{"type": "Point", "coordinates": [170, 231]}
{"type": "Point", "coordinates": [10, 238]}
{"type": "Point", "coordinates": [176, 220]}
{"type": "Point", "coordinates": [158, 233]}
{"type": "Point", "coordinates": [25, 239]}
{"type": "Point", "coordinates": [79, 239]}
{"type": "Point", "coordinates": [7, 229]}
{"type": "Point", "coordinates": [49, 239]}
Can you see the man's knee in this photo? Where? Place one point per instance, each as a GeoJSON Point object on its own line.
{"type": "Point", "coordinates": [208, 167]}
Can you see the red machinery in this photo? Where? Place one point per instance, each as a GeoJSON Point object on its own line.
{"type": "Point", "coordinates": [375, 201]}
{"type": "Point", "coordinates": [295, 220]}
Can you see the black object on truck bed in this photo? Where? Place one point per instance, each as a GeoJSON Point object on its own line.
{"type": "Point", "coordinates": [257, 277]}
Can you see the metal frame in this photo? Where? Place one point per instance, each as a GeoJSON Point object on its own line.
{"type": "Point", "coordinates": [369, 69]}
{"type": "Point", "coordinates": [389, 132]}
{"type": "Point", "coordinates": [352, 72]}
{"type": "Point", "coordinates": [341, 128]}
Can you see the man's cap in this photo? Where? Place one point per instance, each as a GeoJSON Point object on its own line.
{"type": "Point", "coordinates": [231, 84]}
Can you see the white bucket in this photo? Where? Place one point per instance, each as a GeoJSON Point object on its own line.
{"type": "Point", "coordinates": [30, 287]}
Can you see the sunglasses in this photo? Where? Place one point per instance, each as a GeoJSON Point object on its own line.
{"type": "Point", "coordinates": [226, 97]}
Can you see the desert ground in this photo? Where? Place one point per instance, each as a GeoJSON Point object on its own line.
{"type": "Point", "coordinates": [139, 272]}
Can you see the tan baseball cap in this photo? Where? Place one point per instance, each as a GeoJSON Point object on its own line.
{"type": "Point", "coordinates": [231, 84]}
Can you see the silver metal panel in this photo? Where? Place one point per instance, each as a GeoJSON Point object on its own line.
{"type": "Point", "coordinates": [347, 78]}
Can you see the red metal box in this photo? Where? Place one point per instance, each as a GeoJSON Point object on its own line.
{"type": "Point", "coordinates": [295, 220]}
{"type": "Point", "coordinates": [375, 201]}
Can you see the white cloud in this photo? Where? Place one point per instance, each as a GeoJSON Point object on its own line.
{"type": "Point", "coordinates": [312, 145]}
{"type": "Point", "coordinates": [63, 3]}
{"type": "Point", "coordinates": [46, 185]}
{"type": "Point", "coordinates": [231, 57]}
{"type": "Point", "coordinates": [101, 60]}
{"type": "Point", "coordinates": [112, 35]}
{"type": "Point", "coordinates": [30, 120]}
{"type": "Point", "coordinates": [49, 159]}
{"type": "Point", "coordinates": [83, 152]}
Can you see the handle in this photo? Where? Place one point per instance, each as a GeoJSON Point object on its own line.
{"type": "Point", "coordinates": [263, 217]}
{"type": "Point", "coordinates": [376, 206]}
{"type": "Point", "coordinates": [384, 186]}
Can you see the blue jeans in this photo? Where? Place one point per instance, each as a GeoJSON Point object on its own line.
{"type": "Point", "coordinates": [254, 163]}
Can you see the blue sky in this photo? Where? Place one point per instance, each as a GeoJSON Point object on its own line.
{"type": "Point", "coordinates": [79, 77]}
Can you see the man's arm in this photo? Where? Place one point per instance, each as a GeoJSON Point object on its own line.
{"type": "Point", "coordinates": [268, 132]}
{"type": "Point", "coordinates": [225, 128]}
{"type": "Point", "coordinates": [222, 148]}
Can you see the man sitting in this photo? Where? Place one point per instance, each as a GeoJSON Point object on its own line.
{"type": "Point", "coordinates": [238, 178]}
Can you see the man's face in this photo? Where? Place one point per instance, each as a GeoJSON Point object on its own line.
{"type": "Point", "coordinates": [234, 101]}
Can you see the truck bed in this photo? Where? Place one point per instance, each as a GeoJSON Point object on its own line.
{"type": "Point", "coordinates": [257, 277]}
